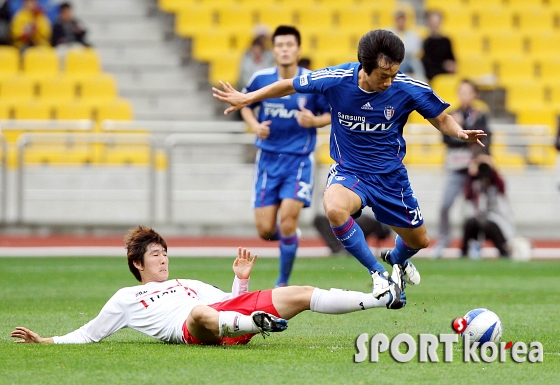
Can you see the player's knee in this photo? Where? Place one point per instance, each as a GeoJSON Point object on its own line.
{"type": "Point", "coordinates": [336, 214]}
{"type": "Point", "coordinates": [201, 315]}
{"type": "Point", "coordinates": [421, 242]}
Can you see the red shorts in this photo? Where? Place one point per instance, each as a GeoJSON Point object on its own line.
{"type": "Point", "coordinates": [245, 304]}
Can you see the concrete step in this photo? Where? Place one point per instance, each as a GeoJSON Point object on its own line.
{"type": "Point", "coordinates": [87, 9]}
{"type": "Point", "coordinates": [161, 56]}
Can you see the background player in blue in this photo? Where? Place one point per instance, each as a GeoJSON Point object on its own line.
{"type": "Point", "coordinates": [370, 102]}
{"type": "Point", "coordinates": [286, 135]}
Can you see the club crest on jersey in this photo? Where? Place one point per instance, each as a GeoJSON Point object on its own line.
{"type": "Point", "coordinates": [301, 101]}
{"type": "Point", "coordinates": [389, 112]}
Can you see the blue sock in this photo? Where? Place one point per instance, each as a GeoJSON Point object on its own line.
{"type": "Point", "coordinates": [352, 237]}
{"type": "Point", "coordinates": [401, 252]}
{"type": "Point", "coordinates": [276, 236]}
{"type": "Point", "coordinates": [288, 249]}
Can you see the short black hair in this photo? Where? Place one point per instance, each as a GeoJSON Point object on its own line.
{"type": "Point", "coordinates": [379, 44]}
{"type": "Point", "coordinates": [287, 30]}
{"type": "Point", "coordinates": [65, 5]}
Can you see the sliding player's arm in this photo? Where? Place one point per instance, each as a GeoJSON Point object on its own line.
{"type": "Point", "coordinates": [238, 100]}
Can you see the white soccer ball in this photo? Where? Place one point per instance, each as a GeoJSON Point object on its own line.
{"type": "Point", "coordinates": [483, 325]}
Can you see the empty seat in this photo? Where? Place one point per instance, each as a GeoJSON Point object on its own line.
{"type": "Point", "coordinates": [500, 44]}
{"type": "Point", "coordinates": [59, 88]}
{"type": "Point", "coordinates": [9, 61]}
{"type": "Point", "coordinates": [225, 68]}
{"type": "Point", "coordinates": [547, 69]}
{"type": "Point", "coordinates": [82, 62]}
{"type": "Point", "coordinates": [273, 15]}
{"type": "Point", "coordinates": [118, 109]}
{"type": "Point", "coordinates": [445, 85]}
{"type": "Point", "coordinates": [515, 69]}
{"type": "Point", "coordinates": [356, 20]}
{"type": "Point", "coordinates": [5, 111]}
{"type": "Point", "coordinates": [544, 114]}
{"type": "Point", "coordinates": [531, 19]}
{"type": "Point", "coordinates": [492, 19]}
{"type": "Point", "coordinates": [314, 18]}
{"type": "Point", "coordinates": [195, 19]}
{"type": "Point", "coordinates": [72, 110]}
{"type": "Point", "coordinates": [474, 65]}
{"type": "Point", "coordinates": [32, 110]}
{"type": "Point", "coordinates": [523, 95]}
{"type": "Point", "coordinates": [231, 18]}
{"type": "Point", "coordinates": [98, 89]}
{"type": "Point", "coordinates": [40, 62]}
{"type": "Point", "coordinates": [543, 44]}
{"type": "Point", "coordinates": [17, 88]}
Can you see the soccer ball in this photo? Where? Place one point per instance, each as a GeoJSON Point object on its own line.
{"type": "Point", "coordinates": [483, 325]}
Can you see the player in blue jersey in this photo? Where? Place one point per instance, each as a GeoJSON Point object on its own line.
{"type": "Point", "coordinates": [370, 104]}
{"type": "Point", "coordinates": [286, 136]}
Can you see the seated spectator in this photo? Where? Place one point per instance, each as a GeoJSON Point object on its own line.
{"type": "Point", "coordinates": [491, 216]}
{"type": "Point", "coordinates": [5, 19]}
{"type": "Point", "coordinates": [369, 225]}
{"type": "Point", "coordinates": [255, 59]}
{"type": "Point", "coordinates": [438, 53]}
{"type": "Point", "coordinates": [411, 65]}
{"type": "Point", "coordinates": [67, 29]}
{"type": "Point", "coordinates": [30, 26]}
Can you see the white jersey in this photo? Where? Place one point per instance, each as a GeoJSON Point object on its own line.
{"type": "Point", "coordinates": [158, 309]}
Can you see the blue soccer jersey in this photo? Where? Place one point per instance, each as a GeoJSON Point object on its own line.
{"type": "Point", "coordinates": [286, 135]}
{"type": "Point", "coordinates": [367, 127]}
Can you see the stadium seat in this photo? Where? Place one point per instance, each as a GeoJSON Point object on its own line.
{"type": "Point", "coordinates": [547, 69]}
{"type": "Point", "coordinates": [541, 155]}
{"type": "Point", "coordinates": [195, 19]}
{"type": "Point", "coordinates": [492, 20]}
{"type": "Point", "coordinates": [225, 67]}
{"type": "Point", "coordinates": [515, 69]}
{"type": "Point", "coordinates": [16, 88]}
{"type": "Point", "coordinates": [313, 19]}
{"type": "Point", "coordinates": [524, 95]}
{"type": "Point", "coordinates": [273, 15]}
{"type": "Point", "coordinates": [172, 6]}
{"type": "Point", "coordinates": [544, 114]}
{"type": "Point", "coordinates": [445, 85]}
{"type": "Point", "coordinates": [474, 66]}
{"type": "Point", "coordinates": [425, 154]}
{"type": "Point", "coordinates": [214, 44]}
{"type": "Point", "coordinates": [82, 62]}
{"type": "Point", "coordinates": [533, 18]}
{"type": "Point", "coordinates": [456, 19]}
{"type": "Point", "coordinates": [356, 20]}
{"type": "Point", "coordinates": [467, 43]}
{"type": "Point", "coordinates": [9, 61]}
{"type": "Point", "coordinates": [118, 109]}
{"type": "Point", "coordinates": [231, 18]}
{"type": "Point", "coordinates": [40, 62]}
{"type": "Point", "coordinates": [57, 89]}
{"type": "Point", "coordinates": [334, 42]}
{"type": "Point", "coordinates": [32, 110]}
{"type": "Point", "coordinates": [499, 44]}
{"type": "Point", "coordinates": [540, 44]}
{"type": "Point", "coordinates": [72, 110]}
{"type": "Point", "coordinates": [98, 89]}
{"type": "Point", "coordinates": [5, 111]}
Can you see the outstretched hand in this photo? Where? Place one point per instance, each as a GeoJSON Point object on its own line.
{"type": "Point", "coordinates": [230, 95]}
{"type": "Point", "coordinates": [27, 336]}
{"type": "Point", "coordinates": [472, 136]}
{"type": "Point", "coordinates": [243, 264]}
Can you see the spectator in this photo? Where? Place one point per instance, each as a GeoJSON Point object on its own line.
{"type": "Point", "coordinates": [438, 54]}
{"type": "Point", "coordinates": [411, 65]}
{"type": "Point", "coordinates": [30, 26]}
{"type": "Point", "coordinates": [472, 114]}
{"type": "Point", "coordinates": [5, 19]}
{"type": "Point", "coordinates": [492, 216]}
{"type": "Point", "coordinates": [369, 225]}
{"type": "Point", "coordinates": [67, 29]}
{"type": "Point", "coordinates": [255, 59]}
{"type": "Point", "coordinates": [305, 62]}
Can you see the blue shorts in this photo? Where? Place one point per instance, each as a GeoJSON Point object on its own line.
{"type": "Point", "coordinates": [282, 176]}
{"type": "Point", "coordinates": [389, 195]}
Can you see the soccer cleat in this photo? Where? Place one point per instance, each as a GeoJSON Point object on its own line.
{"type": "Point", "coordinates": [267, 323]}
{"type": "Point", "coordinates": [411, 273]}
{"type": "Point", "coordinates": [381, 283]}
{"type": "Point", "coordinates": [397, 298]}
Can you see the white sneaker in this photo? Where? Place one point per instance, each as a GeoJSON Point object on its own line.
{"type": "Point", "coordinates": [411, 273]}
{"type": "Point", "coordinates": [381, 284]}
{"type": "Point", "coordinates": [398, 276]}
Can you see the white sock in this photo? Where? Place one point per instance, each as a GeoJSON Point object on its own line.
{"type": "Point", "coordinates": [233, 324]}
{"type": "Point", "coordinates": [336, 301]}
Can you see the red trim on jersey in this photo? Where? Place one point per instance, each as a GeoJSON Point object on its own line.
{"type": "Point", "coordinates": [245, 304]}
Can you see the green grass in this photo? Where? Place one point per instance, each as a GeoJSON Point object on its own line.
{"type": "Point", "coordinates": [53, 296]}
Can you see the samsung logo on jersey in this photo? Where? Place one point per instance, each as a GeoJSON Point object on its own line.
{"type": "Point", "coordinates": [363, 126]}
{"type": "Point", "coordinates": [277, 110]}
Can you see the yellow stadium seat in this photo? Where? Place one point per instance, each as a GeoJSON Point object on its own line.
{"type": "Point", "coordinates": [125, 154]}
{"type": "Point", "coordinates": [492, 20]}
{"type": "Point", "coordinates": [470, 66]}
{"type": "Point", "coordinates": [540, 44]}
{"type": "Point", "coordinates": [456, 19]}
{"type": "Point", "coordinates": [172, 6]}
{"type": "Point", "coordinates": [515, 69]}
{"type": "Point", "coordinates": [547, 69]}
{"type": "Point", "coordinates": [503, 157]}
{"type": "Point", "coordinates": [195, 19]}
{"type": "Point", "coordinates": [17, 88]}
{"type": "Point", "coordinates": [118, 109]}
{"type": "Point", "coordinates": [273, 15]}
{"type": "Point", "coordinates": [544, 114]}
{"type": "Point", "coordinates": [225, 68]}
{"type": "Point", "coordinates": [72, 110]}
{"type": "Point", "coordinates": [214, 44]}
{"type": "Point", "coordinates": [5, 111]}
{"type": "Point", "coordinates": [524, 95]}
{"type": "Point", "coordinates": [323, 154]}
{"type": "Point", "coordinates": [542, 155]}
{"type": "Point", "coordinates": [9, 61]}
{"type": "Point", "coordinates": [82, 62]}
{"type": "Point", "coordinates": [445, 85]}
{"type": "Point", "coordinates": [533, 18]}
{"type": "Point", "coordinates": [415, 117]}
{"type": "Point", "coordinates": [59, 88]}
{"type": "Point", "coordinates": [98, 89]}
{"type": "Point", "coordinates": [467, 43]}
{"type": "Point", "coordinates": [356, 20]}
{"type": "Point", "coordinates": [313, 18]}
{"type": "Point", "coordinates": [32, 110]}
{"type": "Point", "coordinates": [334, 41]}
{"type": "Point", "coordinates": [425, 154]}
{"type": "Point", "coordinates": [40, 62]}
{"type": "Point", "coordinates": [505, 43]}
{"type": "Point", "coordinates": [231, 18]}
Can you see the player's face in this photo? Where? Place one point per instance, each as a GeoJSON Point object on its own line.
{"type": "Point", "coordinates": [382, 77]}
{"type": "Point", "coordinates": [155, 267]}
{"type": "Point", "coordinates": [286, 50]}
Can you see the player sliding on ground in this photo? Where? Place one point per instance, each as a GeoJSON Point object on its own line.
{"type": "Point", "coordinates": [370, 104]}
{"type": "Point", "coordinates": [193, 312]}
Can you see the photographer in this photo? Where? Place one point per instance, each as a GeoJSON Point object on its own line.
{"type": "Point", "coordinates": [492, 216]}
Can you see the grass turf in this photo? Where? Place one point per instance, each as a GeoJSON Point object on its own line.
{"type": "Point", "coordinates": [53, 296]}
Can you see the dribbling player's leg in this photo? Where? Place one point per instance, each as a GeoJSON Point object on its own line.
{"type": "Point", "coordinates": [339, 202]}
{"type": "Point", "coordinates": [408, 242]}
